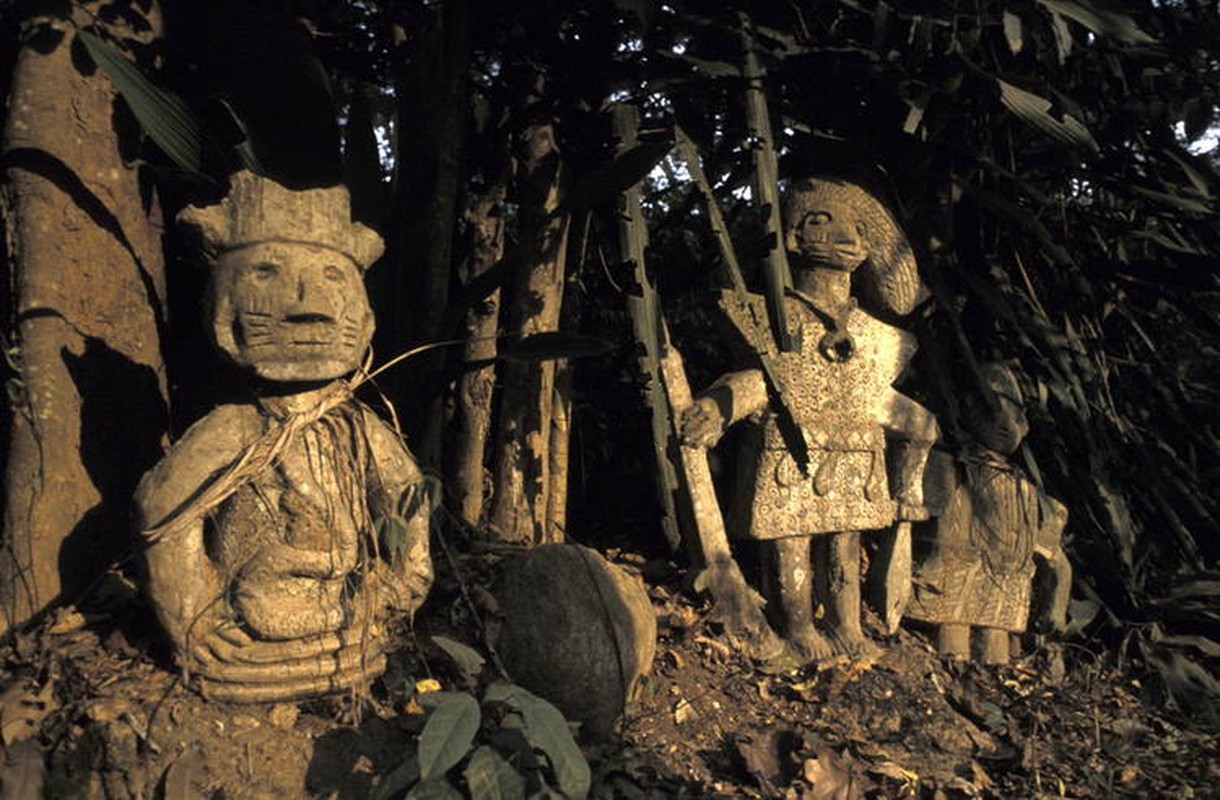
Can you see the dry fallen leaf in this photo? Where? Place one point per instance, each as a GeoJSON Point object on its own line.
{"type": "Point", "coordinates": [764, 760]}
{"type": "Point", "coordinates": [23, 707]}
{"type": "Point", "coordinates": [67, 620]}
{"type": "Point", "coordinates": [830, 778]}
{"type": "Point", "coordinates": [684, 711]}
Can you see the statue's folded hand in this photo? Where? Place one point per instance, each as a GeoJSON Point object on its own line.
{"type": "Point", "coordinates": [701, 424]}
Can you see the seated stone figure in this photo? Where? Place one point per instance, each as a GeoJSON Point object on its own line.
{"type": "Point", "coordinates": [992, 525]}
{"type": "Point", "coordinates": [839, 379]}
{"type": "Point", "coordinates": [284, 531]}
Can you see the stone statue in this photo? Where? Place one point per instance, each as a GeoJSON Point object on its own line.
{"type": "Point", "coordinates": [839, 381]}
{"type": "Point", "coordinates": [284, 531]}
{"type": "Point", "coordinates": [992, 525]}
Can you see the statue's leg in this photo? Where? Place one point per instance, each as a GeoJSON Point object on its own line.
{"type": "Point", "coordinates": [838, 573]}
{"type": "Point", "coordinates": [793, 589]}
{"type": "Point", "coordinates": [953, 640]}
{"type": "Point", "coordinates": [993, 645]}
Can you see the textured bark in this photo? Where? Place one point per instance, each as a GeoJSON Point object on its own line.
{"type": "Point", "coordinates": [432, 93]}
{"type": "Point", "coordinates": [522, 457]}
{"type": "Point", "coordinates": [87, 281]}
{"type": "Point", "coordinates": [475, 388]}
{"type": "Point", "coordinates": [560, 450]}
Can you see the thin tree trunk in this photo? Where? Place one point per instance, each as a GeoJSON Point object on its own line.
{"type": "Point", "coordinates": [556, 526]}
{"type": "Point", "coordinates": [523, 452]}
{"type": "Point", "coordinates": [475, 388]}
{"type": "Point", "coordinates": [432, 103]}
{"type": "Point", "coordinates": [87, 281]}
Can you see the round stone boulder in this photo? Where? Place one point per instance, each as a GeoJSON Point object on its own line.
{"type": "Point", "coordinates": [577, 631]}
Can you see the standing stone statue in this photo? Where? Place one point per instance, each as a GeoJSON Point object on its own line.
{"type": "Point", "coordinates": [839, 380]}
{"type": "Point", "coordinates": [285, 531]}
{"type": "Point", "coordinates": [993, 524]}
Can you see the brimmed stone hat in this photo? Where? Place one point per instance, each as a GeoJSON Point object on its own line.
{"type": "Point", "coordinates": [258, 209]}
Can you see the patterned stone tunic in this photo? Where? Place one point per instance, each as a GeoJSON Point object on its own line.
{"type": "Point", "coordinates": [981, 569]}
{"type": "Point", "coordinates": [839, 407]}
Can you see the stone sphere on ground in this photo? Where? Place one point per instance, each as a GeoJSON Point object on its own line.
{"type": "Point", "coordinates": [577, 631]}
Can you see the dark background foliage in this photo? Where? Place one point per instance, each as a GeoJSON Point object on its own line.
{"type": "Point", "coordinates": [1054, 163]}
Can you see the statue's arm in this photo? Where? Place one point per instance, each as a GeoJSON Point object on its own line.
{"type": "Point", "coordinates": [405, 498]}
{"type": "Point", "coordinates": [1058, 570]}
{"type": "Point", "coordinates": [731, 398]}
{"type": "Point", "coordinates": [183, 582]}
{"type": "Point", "coordinates": [914, 430]}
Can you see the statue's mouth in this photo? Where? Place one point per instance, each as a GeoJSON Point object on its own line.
{"type": "Point", "coordinates": [310, 330]}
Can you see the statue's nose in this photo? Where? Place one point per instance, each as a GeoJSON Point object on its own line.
{"type": "Point", "coordinates": [310, 306]}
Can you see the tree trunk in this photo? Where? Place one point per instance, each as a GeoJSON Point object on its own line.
{"type": "Point", "coordinates": [86, 274]}
{"type": "Point", "coordinates": [432, 104]}
{"type": "Point", "coordinates": [475, 388]}
{"type": "Point", "coordinates": [522, 463]}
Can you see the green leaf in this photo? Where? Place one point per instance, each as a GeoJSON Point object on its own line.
{"type": "Point", "coordinates": [554, 344]}
{"type": "Point", "coordinates": [392, 534]}
{"type": "Point", "coordinates": [546, 793]}
{"type": "Point", "coordinates": [1013, 32]}
{"type": "Point", "coordinates": [1193, 204]}
{"type": "Point", "coordinates": [490, 777]}
{"type": "Point", "coordinates": [166, 119]}
{"type": "Point", "coordinates": [1035, 111]}
{"type": "Point", "coordinates": [1101, 21]}
{"type": "Point", "coordinates": [398, 779]}
{"type": "Point", "coordinates": [624, 171]}
{"type": "Point", "coordinates": [448, 735]}
{"type": "Point", "coordinates": [467, 658]}
{"type": "Point", "coordinates": [434, 789]}
{"type": "Point", "coordinates": [549, 731]}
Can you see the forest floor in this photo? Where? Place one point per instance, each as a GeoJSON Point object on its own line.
{"type": "Point", "coordinates": [86, 712]}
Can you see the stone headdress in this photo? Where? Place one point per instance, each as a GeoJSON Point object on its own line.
{"type": "Point", "coordinates": [891, 279]}
{"type": "Point", "coordinates": [258, 209]}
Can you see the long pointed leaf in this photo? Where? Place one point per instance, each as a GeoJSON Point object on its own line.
{"type": "Point", "coordinates": [448, 735]}
{"type": "Point", "coordinates": [1035, 111]}
{"type": "Point", "coordinates": [1101, 21]}
{"type": "Point", "coordinates": [166, 119]}
{"type": "Point", "coordinates": [626, 169]}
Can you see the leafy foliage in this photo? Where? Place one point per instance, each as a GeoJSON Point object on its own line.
{"type": "Point", "coordinates": [499, 742]}
{"type": "Point", "coordinates": [1047, 159]}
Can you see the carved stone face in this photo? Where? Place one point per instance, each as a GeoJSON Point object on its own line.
{"type": "Point", "coordinates": [1002, 428]}
{"type": "Point", "coordinates": [827, 234]}
{"type": "Point", "coordinates": [291, 311]}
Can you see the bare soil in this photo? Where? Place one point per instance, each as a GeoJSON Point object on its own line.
{"type": "Point", "coordinates": [89, 709]}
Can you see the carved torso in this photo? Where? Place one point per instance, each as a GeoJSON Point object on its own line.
{"type": "Point", "coordinates": [981, 569]}
{"type": "Point", "coordinates": [838, 406]}
{"type": "Point", "coordinates": [290, 540]}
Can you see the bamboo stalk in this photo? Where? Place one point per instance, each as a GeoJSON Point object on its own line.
{"type": "Point", "coordinates": [522, 458]}
{"type": "Point", "coordinates": [683, 473]}
{"type": "Point", "coordinates": [475, 388]}
{"type": "Point", "coordinates": [645, 318]}
{"type": "Point", "coordinates": [766, 188]}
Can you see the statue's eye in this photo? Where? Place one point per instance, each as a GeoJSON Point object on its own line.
{"type": "Point", "coordinates": [265, 271]}
{"type": "Point", "coordinates": [817, 218]}
{"type": "Point", "coordinates": [333, 273]}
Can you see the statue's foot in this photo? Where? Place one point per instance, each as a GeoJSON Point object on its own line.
{"type": "Point", "coordinates": [855, 645]}
{"type": "Point", "coordinates": [809, 646]}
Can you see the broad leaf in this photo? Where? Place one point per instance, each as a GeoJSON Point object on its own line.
{"type": "Point", "coordinates": [448, 735]}
{"type": "Point", "coordinates": [1101, 21]}
{"type": "Point", "coordinates": [399, 778]}
{"type": "Point", "coordinates": [554, 344]}
{"type": "Point", "coordinates": [625, 170]}
{"type": "Point", "coordinates": [549, 731]}
{"type": "Point", "coordinates": [1035, 110]}
{"type": "Point", "coordinates": [490, 777]}
{"type": "Point", "coordinates": [434, 789]}
{"type": "Point", "coordinates": [467, 658]}
{"type": "Point", "coordinates": [163, 115]}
